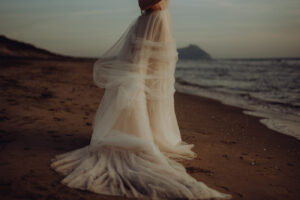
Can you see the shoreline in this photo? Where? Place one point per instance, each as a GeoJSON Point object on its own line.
{"type": "Point", "coordinates": [48, 109]}
{"type": "Point", "coordinates": [239, 109]}
{"type": "Point", "coordinates": [287, 125]}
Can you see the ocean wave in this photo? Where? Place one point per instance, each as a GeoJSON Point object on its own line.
{"type": "Point", "coordinates": [264, 88]}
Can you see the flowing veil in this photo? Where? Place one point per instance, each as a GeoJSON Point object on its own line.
{"type": "Point", "coordinates": [140, 67]}
{"type": "Point", "coordinates": [136, 141]}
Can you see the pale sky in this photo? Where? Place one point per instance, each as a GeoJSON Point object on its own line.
{"type": "Point", "coordinates": [224, 28]}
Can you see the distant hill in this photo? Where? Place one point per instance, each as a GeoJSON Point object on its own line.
{"type": "Point", "coordinates": [13, 48]}
{"type": "Point", "coordinates": [193, 52]}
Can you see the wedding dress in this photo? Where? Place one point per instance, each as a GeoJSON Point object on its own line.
{"type": "Point", "coordinates": [136, 142]}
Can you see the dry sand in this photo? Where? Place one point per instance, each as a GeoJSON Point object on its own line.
{"type": "Point", "coordinates": [47, 108]}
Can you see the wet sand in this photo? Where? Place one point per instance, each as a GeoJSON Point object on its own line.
{"type": "Point", "coordinates": [47, 108]}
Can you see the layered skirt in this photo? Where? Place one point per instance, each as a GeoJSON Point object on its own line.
{"type": "Point", "coordinates": [136, 144]}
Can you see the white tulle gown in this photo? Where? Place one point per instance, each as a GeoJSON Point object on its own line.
{"type": "Point", "coordinates": [136, 142]}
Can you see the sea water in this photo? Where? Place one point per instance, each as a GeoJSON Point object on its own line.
{"type": "Point", "coordinates": [268, 88]}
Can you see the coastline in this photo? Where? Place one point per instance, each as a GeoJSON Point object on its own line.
{"type": "Point", "coordinates": [282, 122]}
{"type": "Point", "coordinates": [250, 85]}
{"type": "Point", "coordinates": [48, 108]}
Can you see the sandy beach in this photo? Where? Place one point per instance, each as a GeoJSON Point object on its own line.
{"type": "Point", "coordinates": [47, 108]}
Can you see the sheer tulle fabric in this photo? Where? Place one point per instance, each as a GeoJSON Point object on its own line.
{"type": "Point", "coordinates": [138, 73]}
{"type": "Point", "coordinates": [136, 139]}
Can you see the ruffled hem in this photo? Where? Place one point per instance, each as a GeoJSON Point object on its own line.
{"type": "Point", "coordinates": [140, 172]}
